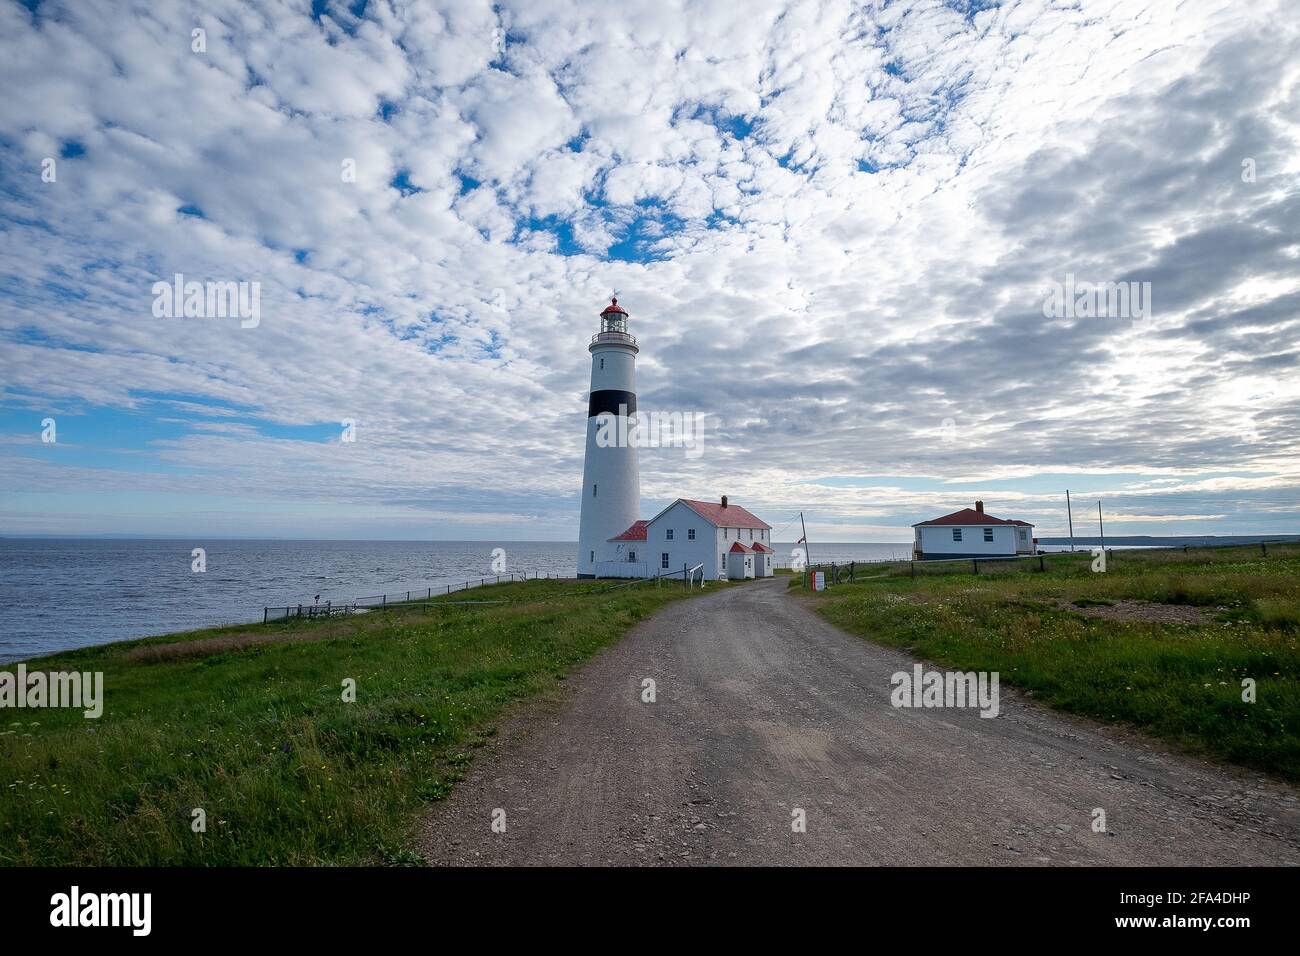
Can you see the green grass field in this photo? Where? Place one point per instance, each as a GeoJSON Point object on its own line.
{"type": "Point", "coordinates": [259, 737]}
{"type": "Point", "coordinates": [1179, 634]}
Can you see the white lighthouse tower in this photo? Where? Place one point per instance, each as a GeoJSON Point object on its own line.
{"type": "Point", "coordinates": [611, 480]}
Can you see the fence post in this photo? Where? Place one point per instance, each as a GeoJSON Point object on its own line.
{"type": "Point", "coordinates": [1263, 549]}
{"type": "Point", "coordinates": [853, 572]}
{"type": "Point", "coordinates": [975, 562]}
{"type": "Point", "coordinates": [1041, 565]}
{"type": "Point", "coordinates": [265, 613]}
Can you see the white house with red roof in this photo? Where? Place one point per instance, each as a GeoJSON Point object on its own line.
{"type": "Point", "coordinates": [972, 533]}
{"type": "Point", "coordinates": [689, 533]}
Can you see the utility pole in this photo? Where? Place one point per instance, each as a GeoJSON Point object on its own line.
{"type": "Point", "coordinates": [1070, 515]}
{"type": "Point", "coordinates": [1101, 526]}
{"type": "Point", "coordinates": [804, 528]}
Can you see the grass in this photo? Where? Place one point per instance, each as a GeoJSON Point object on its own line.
{"type": "Point", "coordinates": [258, 736]}
{"type": "Point", "coordinates": [1179, 681]}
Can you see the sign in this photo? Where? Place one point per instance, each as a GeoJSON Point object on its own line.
{"type": "Point", "coordinates": [819, 580]}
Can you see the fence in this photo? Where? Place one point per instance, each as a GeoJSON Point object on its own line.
{"type": "Point", "coordinates": [837, 573]}
{"type": "Point", "coordinates": [330, 609]}
{"type": "Point", "coordinates": [844, 573]}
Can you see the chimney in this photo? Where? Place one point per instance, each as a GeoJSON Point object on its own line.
{"type": "Point", "coordinates": [724, 501]}
{"type": "Point", "coordinates": [979, 506]}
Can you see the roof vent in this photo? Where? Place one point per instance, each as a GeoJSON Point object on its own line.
{"type": "Point", "coordinates": [979, 506]}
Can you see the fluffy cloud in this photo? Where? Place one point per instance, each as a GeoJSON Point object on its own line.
{"type": "Point", "coordinates": [834, 225]}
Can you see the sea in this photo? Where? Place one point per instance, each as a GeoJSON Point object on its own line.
{"type": "Point", "coordinates": [62, 593]}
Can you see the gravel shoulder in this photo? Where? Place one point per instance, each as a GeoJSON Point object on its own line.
{"type": "Point", "coordinates": [763, 709]}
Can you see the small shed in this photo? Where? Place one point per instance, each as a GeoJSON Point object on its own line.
{"type": "Point", "coordinates": [740, 562]}
{"type": "Point", "coordinates": [762, 560]}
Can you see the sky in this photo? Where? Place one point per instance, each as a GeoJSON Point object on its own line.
{"type": "Point", "coordinates": [837, 228]}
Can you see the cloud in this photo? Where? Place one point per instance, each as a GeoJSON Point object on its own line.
{"type": "Point", "coordinates": [833, 225]}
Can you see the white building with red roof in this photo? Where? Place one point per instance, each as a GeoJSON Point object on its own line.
{"type": "Point", "coordinates": [689, 533]}
{"type": "Point", "coordinates": [972, 533]}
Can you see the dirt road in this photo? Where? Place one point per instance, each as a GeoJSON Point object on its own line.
{"type": "Point", "coordinates": [762, 710]}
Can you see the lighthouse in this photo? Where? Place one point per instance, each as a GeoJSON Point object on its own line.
{"type": "Point", "coordinates": [611, 480]}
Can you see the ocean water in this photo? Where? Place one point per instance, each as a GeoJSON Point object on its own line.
{"type": "Point", "coordinates": [62, 593]}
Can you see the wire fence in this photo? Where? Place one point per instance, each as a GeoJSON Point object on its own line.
{"type": "Point", "coordinates": [848, 572]}
{"type": "Point", "coordinates": [377, 601]}
{"type": "Point", "coordinates": [690, 577]}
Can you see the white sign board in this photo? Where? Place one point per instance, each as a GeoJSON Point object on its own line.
{"type": "Point", "coordinates": [819, 580]}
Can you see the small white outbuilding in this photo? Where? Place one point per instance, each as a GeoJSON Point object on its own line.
{"type": "Point", "coordinates": [740, 562]}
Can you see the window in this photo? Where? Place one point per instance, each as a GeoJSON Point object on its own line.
{"type": "Point", "coordinates": [988, 534]}
{"type": "Point", "coordinates": [594, 489]}
{"type": "Point", "coordinates": [670, 534]}
{"type": "Point", "coordinates": [722, 560]}
{"type": "Point", "coordinates": [602, 363]}
{"type": "Point", "coordinates": [751, 534]}
{"type": "Point", "coordinates": [631, 555]}
{"type": "Point", "coordinates": [690, 534]}
{"type": "Point", "coordinates": [593, 557]}
{"type": "Point", "coordinates": [663, 560]}
{"type": "Point", "coordinates": [724, 533]}
{"type": "Point", "coordinates": [956, 534]}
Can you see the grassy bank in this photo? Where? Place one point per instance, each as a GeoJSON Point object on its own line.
{"type": "Point", "coordinates": [1162, 640]}
{"type": "Point", "coordinates": [248, 723]}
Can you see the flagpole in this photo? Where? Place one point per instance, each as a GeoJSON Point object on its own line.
{"type": "Point", "coordinates": [1069, 514]}
{"type": "Point", "coordinates": [804, 528]}
{"type": "Point", "coordinates": [1101, 526]}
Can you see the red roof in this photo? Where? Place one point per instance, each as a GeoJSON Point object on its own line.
{"type": "Point", "coordinates": [613, 307]}
{"type": "Point", "coordinates": [732, 516]}
{"type": "Point", "coordinates": [1018, 521]}
{"type": "Point", "coordinates": [635, 533]}
{"type": "Point", "coordinates": [739, 548]}
{"type": "Point", "coordinates": [968, 517]}
{"type": "Point", "coordinates": [760, 546]}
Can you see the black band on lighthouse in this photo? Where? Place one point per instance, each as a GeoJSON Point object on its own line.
{"type": "Point", "coordinates": [607, 401]}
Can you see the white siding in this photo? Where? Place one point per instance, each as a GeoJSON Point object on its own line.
{"type": "Point", "coordinates": [681, 520]}
{"type": "Point", "coordinates": [937, 539]}
{"type": "Point", "coordinates": [740, 565]}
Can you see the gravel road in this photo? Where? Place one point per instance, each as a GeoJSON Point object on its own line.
{"type": "Point", "coordinates": [762, 709]}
